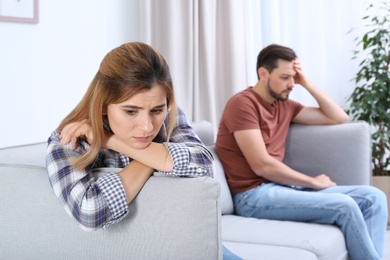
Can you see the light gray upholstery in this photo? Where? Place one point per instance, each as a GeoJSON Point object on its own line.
{"type": "Point", "coordinates": [31, 154]}
{"type": "Point", "coordinates": [171, 218]}
{"type": "Point", "coordinates": [340, 151]}
{"type": "Point", "coordinates": [179, 218]}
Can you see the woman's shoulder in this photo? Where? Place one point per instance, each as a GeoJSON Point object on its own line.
{"type": "Point", "coordinates": [54, 137]}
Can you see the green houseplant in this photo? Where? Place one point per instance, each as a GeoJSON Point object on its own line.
{"type": "Point", "coordinates": [370, 100]}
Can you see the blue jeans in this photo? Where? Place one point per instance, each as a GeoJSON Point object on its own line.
{"type": "Point", "coordinates": [359, 211]}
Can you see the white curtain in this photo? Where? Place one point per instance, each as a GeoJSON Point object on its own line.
{"type": "Point", "coordinates": [212, 45]}
{"type": "Point", "coordinates": [204, 43]}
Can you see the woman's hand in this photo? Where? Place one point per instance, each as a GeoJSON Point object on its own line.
{"type": "Point", "coordinates": [75, 130]}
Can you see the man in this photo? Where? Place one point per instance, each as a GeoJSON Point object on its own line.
{"type": "Point", "coordinates": [251, 145]}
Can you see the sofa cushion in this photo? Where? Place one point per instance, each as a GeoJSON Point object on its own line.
{"type": "Point", "coordinates": [324, 241]}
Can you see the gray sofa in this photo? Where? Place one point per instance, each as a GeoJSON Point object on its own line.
{"type": "Point", "coordinates": [179, 218]}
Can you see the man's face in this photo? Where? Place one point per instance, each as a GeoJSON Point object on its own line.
{"type": "Point", "coordinates": [281, 80]}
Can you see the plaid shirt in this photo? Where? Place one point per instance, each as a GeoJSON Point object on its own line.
{"type": "Point", "coordinates": [95, 196]}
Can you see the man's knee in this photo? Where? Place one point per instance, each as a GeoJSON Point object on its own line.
{"type": "Point", "coordinates": [374, 195]}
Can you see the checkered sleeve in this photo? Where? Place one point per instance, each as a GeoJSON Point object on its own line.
{"type": "Point", "coordinates": [94, 202]}
{"type": "Point", "coordinates": [190, 156]}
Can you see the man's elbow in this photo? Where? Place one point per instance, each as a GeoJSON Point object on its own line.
{"type": "Point", "coordinates": [343, 119]}
{"type": "Point", "coordinates": [260, 169]}
{"type": "Point", "coordinates": [338, 119]}
{"type": "Point", "coordinates": [346, 118]}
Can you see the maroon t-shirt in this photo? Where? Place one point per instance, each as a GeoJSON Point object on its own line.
{"type": "Point", "coordinates": [246, 110]}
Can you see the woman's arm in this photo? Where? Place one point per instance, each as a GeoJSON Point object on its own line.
{"type": "Point", "coordinates": [155, 155]}
{"type": "Point", "coordinates": [183, 155]}
{"type": "Point", "coordinates": [93, 202]}
{"type": "Point", "coordinates": [133, 178]}
{"type": "Point", "coordinates": [190, 156]}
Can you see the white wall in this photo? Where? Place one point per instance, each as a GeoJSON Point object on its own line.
{"type": "Point", "coordinates": [45, 68]}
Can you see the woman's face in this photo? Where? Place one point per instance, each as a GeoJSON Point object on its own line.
{"type": "Point", "coordinates": [138, 120]}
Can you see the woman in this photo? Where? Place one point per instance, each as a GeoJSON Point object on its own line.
{"type": "Point", "coordinates": [127, 119]}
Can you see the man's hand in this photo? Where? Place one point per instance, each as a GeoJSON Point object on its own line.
{"type": "Point", "coordinates": [299, 77]}
{"type": "Point", "coordinates": [328, 112]}
{"type": "Point", "coordinates": [73, 131]}
{"type": "Point", "coordinates": [322, 182]}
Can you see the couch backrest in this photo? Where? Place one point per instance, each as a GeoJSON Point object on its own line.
{"type": "Point", "coordinates": [205, 131]}
{"type": "Point", "coordinates": [30, 154]}
{"type": "Point", "coordinates": [343, 152]}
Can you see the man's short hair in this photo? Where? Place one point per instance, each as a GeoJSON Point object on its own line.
{"type": "Point", "coordinates": [269, 56]}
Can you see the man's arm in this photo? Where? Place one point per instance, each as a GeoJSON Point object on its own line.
{"type": "Point", "coordinates": [252, 145]}
{"type": "Point", "coordinates": [328, 111]}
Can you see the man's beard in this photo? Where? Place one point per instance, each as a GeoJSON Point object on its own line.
{"type": "Point", "coordinates": [274, 94]}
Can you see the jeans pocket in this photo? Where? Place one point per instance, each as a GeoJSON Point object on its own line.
{"type": "Point", "coordinates": [244, 202]}
{"type": "Point", "coordinates": [248, 201]}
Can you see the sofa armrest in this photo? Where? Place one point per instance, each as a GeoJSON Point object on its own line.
{"type": "Point", "coordinates": [171, 218]}
{"type": "Point", "coordinates": [342, 152]}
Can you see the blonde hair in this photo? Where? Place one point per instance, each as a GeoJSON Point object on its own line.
{"type": "Point", "coordinates": [125, 71]}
